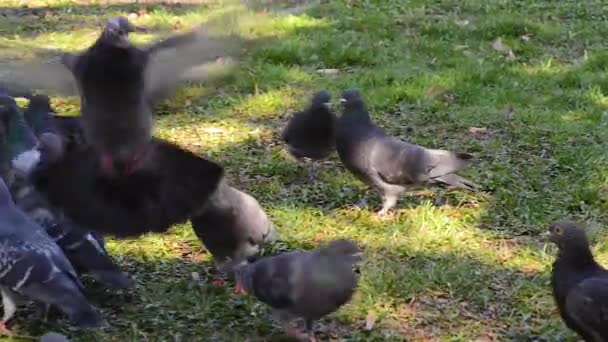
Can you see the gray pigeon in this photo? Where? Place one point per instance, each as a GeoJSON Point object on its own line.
{"type": "Point", "coordinates": [232, 227]}
{"type": "Point", "coordinates": [580, 284]}
{"type": "Point", "coordinates": [311, 133]}
{"type": "Point", "coordinates": [388, 164]}
{"type": "Point", "coordinates": [303, 284]}
{"type": "Point", "coordinates": [53, 337]}
{"type": "Point", "coordinates": [33, 266]}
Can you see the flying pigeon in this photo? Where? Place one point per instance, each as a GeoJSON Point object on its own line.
{"type": "Point", "coordinates": [580, 284]}
{"type": "Point", "coordinates": [33, 266]}
{"type": "Point", "coordinates": [388, 164]}
{"type": "Point", "coordinates": [303, 284]}
{"type": "Point", "coordinates": [111, 80]}
{"type": "Point", "coordinates": [232, 227]}
{"type": "Point", "coordinates": [175, 185]}
{"type": "Point", "coordinates": [311, 133]}
{"type": "Point", "coordinates": [115, 98]}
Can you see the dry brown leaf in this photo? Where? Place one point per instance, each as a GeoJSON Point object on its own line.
{"type": "Point", "coordinates": [328, 71]}
{"type": "Point", "coordinates": [503, 48]}
{"type": "Point", "coordinates": [370, 320]}
{"type": "Point", "coordinates": [479, 132]}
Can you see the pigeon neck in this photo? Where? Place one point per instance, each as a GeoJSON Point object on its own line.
{"type": "Point", "coordinates": [578, 255]}
{"type": "Point", "coordinates": [356, 113]}
{"type": "Point", "coordinates": [20, 137]}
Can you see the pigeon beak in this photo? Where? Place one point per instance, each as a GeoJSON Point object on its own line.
{"type": "Point", "coordinates": [342, 100]}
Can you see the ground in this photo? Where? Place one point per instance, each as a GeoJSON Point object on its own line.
{"type": "Point", "coordinates": [520, 84]}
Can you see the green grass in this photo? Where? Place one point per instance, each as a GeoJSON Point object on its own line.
{"type": "Point", "coordinates": [473, 269]}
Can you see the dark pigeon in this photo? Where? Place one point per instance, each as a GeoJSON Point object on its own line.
{"type": "Point", "coordinates": [388, 164]}
{"type": "Point", "coordinates": [232, 227]}
{"type": "Point", "coordinates": [303, 284]}
{"type": "Point", "coordinates": [311, 133]}
{"type": "Point", "coordinates": [39, 115]}
{"type": "Point", "coordinates": [116, 98]}
{"type": "Point", "coordinates": [580, 284]}
{"type": "Point", "coordinates": [33, 266]}
{"type": "Point", "coordinates": [116, 116]}
{"type": "Point", "coordinates": [175, 185]}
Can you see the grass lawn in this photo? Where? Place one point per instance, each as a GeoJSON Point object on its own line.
{"type": "Point", "coordinates": [531, 106]}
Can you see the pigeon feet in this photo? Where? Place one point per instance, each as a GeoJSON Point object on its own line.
{"type": "Point", "coordinates": [384, 214]}
{"type": "Point", "coordinates": [300, 335]}
{"type": "Point", "coordinates": [239, 289]}
{"type": "Point", "coordinates": [218, 281]}
{"type": "Point", "coordinates": [4, 330]}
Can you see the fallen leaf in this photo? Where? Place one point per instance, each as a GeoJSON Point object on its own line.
{"type": "Point", "coordinates": [479, 132]}
{"type": "Point", "coordinates": [328, 71]}
{"type": "Point", "coordinates": [461, 22]}
{"type": "Point", "coordinates": [370, 320]}
{"type": "Point", "coordinates": [213, 130]}
{"type": "Point", "coordinates": [499, 46]}
{"type": "Point", "coordinates": [503, 48]}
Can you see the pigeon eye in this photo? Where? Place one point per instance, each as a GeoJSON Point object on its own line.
{"type": "Point", "coordinates": [557, 231]}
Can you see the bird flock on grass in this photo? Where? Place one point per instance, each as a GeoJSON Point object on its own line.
{"type": "Point", "coordinates": [123, 182]}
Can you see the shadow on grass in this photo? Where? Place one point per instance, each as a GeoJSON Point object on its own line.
{"type": "Point", "coordinates": [429, 295]}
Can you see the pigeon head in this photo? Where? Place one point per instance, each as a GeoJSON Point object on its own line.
{"type": "Point", "coordinates": [351, 96]}
{"type": "Point", "coordinates": [116, 32]}
{"type": "Point", "coordinates": [342, 247]}
{"type": "Point", "coordinates": [353, 106]}
{"type": "Point", "coordinates": [322, 97]}
{"type": "Point", "coordinates": [567, 234]}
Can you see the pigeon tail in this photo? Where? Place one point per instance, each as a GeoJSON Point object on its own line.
{"type": "Point", "coordinates": [321, 97]}
{"type": "Point", "coordinates": [453, 179]}
{"type": "Point", "coordinates": [447, 162]}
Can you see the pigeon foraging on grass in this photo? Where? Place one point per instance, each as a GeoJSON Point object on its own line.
{"type": "Point", "coordinates": [388, 164]}
{"type": "Point", "coordinates": [303, 284]}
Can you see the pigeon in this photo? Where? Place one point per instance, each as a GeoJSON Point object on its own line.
{"type": "Point", "coordinates": [117, 118]}
{"type": "Point", "coordinates": [39, 115]}
{"type": "Point", "coordinates": [312, 133]}
{"type": "Point", "coordinates": [303, 284]}
{"type": "Point", "coordinates": [175, 185]}
{"type": "Point", "coordinates": [232, 226]}
{"type": "Point", "coordinates": [22, 144]}
{"type": "Point", "coordinates": [33, 266]}
{"type": "Point", "coordinates": [116, 100]}
{"type": "Point", "coordinates": [580, 284]}
{"type": "Point", "coordinates": [388, 164]}
{"type": "Point", "coordinates": [53, 337]}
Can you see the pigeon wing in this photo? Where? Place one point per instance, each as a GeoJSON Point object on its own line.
{"type": "Point", "coordinates": [587, 304]}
